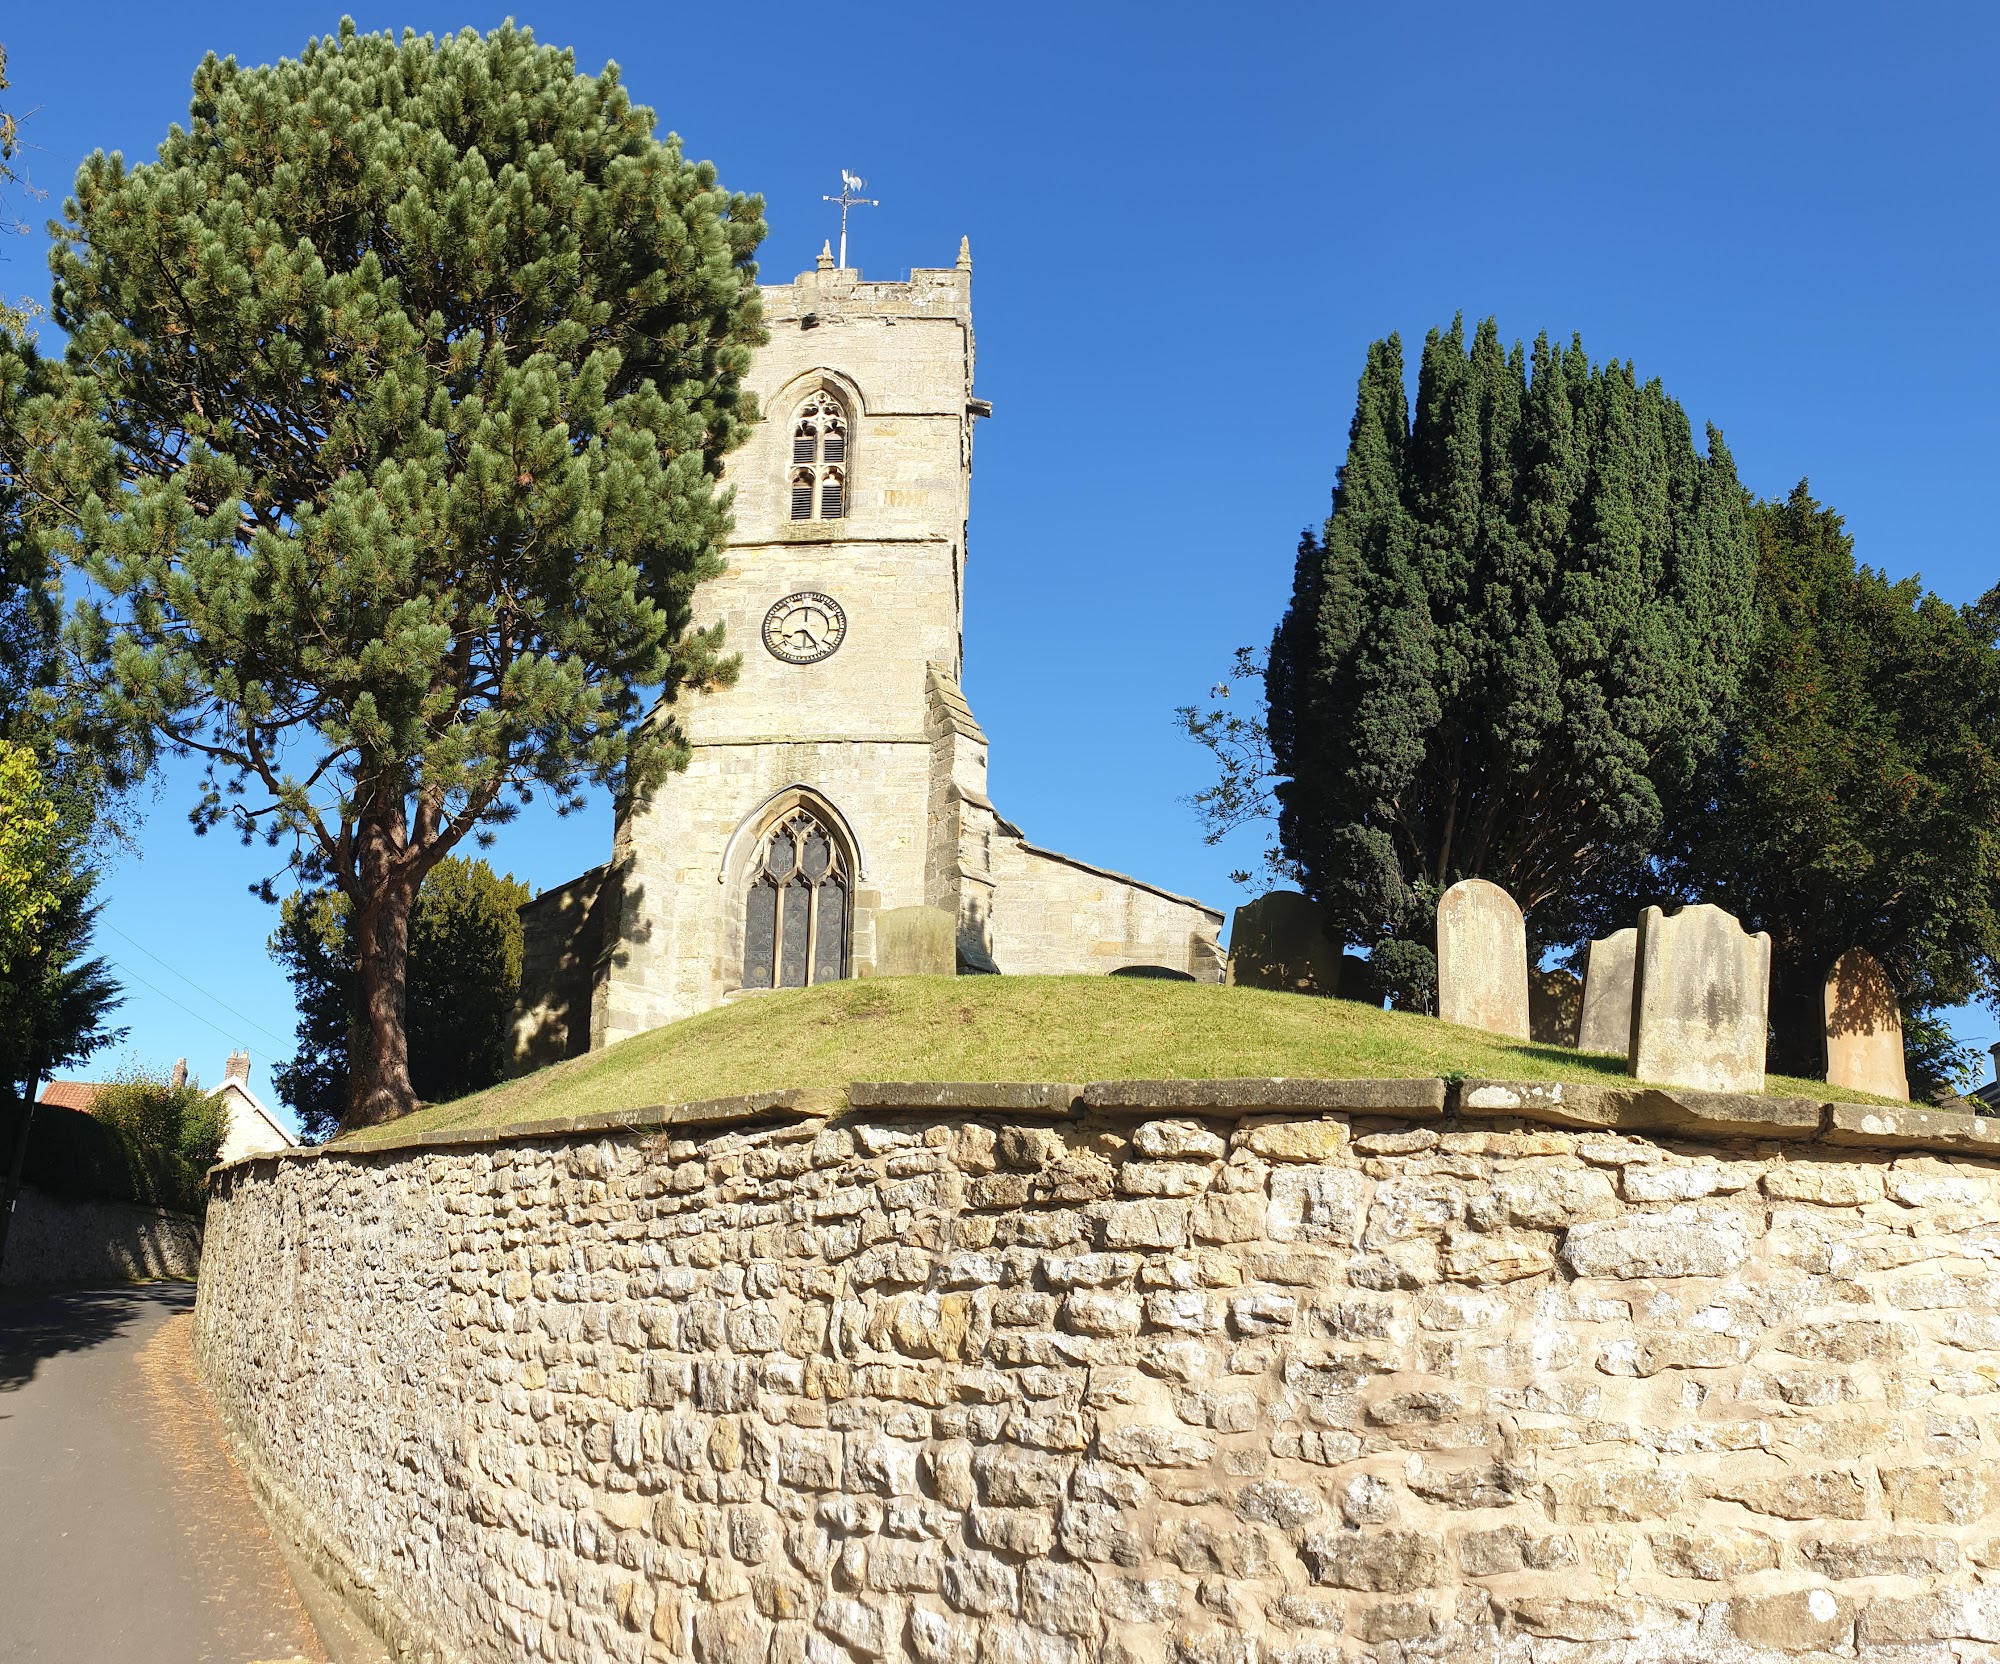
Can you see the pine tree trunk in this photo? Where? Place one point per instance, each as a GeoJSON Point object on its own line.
{"type": "Point", "coordinates": [378, 1080]}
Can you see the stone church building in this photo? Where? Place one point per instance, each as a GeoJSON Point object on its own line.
{"type": "Point", "coordinates": [833, 819]}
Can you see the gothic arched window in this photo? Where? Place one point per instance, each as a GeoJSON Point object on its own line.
{"type": "Point", "coordinates": [795, 921]}
{"type": "Point", "coordinates": [819, 459]}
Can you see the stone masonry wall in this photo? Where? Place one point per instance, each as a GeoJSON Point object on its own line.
{"type": "Point", "coordinates": [1054, 915]}
{"type": "Point", "coordinates": [54, 1239]}
{"type": "Point", "coordinates": [1216, 1373]}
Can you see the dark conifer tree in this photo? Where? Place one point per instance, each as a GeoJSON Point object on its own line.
{"type": "Point", "coordinates": [1523, 620]}
{"type": "Point", "coordinates": [1855, 798]}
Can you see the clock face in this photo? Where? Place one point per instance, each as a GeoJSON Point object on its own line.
{"type": "Point", "coordinates": [805, 628]}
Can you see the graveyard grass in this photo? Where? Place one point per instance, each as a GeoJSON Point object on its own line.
{"type": "Point", "coordinates": [1013, 1028]}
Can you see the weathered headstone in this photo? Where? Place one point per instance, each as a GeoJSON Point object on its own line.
{"type": "Point", "coordinates": [1607, 994]}
{"type": "Point", "coordinates": [916, 941]}
{"type": "Point", "coordinates": [1280, 941]}
{"type": "Point", "coordinates": [1700, 1001]}
{"type": "Point", "coordinates": [1555, 1005]}
{"type": "Point", "coordinates": [1482, 959]}
{"type": "Point", "coordinates": [1360, 981]}
{"type": "Point", "coordinates": [1864, 1028]}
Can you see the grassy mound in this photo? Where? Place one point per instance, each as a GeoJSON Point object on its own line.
{"type": "Point", "coordinates": [1021, 1028]}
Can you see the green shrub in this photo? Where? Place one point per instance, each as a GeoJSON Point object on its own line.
{"type": "Point", "coordinates": [72, 1154]}
{"type": "Point", "coordinates": [145, 1140]}
{"type": "Point", "coordinates": [178, 1130]}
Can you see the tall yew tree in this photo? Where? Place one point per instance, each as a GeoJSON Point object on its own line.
{"type": "Point", "coordinates": [1523, 618]}
{"type": "Point", "coordinates": [388, 429]}
{"type": "Point", "coordinates": [1855, 798]}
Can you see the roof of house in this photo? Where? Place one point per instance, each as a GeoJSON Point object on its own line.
{"type": "Point", "coordinates": [255, 1105]}
{"type": "Point", "coordinates": [71, 1094]}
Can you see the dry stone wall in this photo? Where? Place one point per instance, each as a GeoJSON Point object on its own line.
{"type": "Point", "coordinates": [1216, 1373]}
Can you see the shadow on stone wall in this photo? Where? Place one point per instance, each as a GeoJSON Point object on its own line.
{"type": "Point", "coordinates": [55, 1240]}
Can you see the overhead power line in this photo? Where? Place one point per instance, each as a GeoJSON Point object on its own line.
{"type": "Point", "coordinates": [126, 970]}
{"type": "Point", "coordinates": [223, 1005]}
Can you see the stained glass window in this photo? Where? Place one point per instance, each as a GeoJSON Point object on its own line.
{"type": "Point", "coordinates": [796, 917]}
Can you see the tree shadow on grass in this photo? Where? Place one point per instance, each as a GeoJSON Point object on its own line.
{"type": "Point", "coordinates": [39, 1324]}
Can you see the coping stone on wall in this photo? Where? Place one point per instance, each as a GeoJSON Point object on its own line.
{"type": "Point", "coordinates": [1004, 1097]}
{"type": "Point", "coordinates": [1577, 1104]}
{"type": "Point", "coordinates": [1904, 1126]}
{"type": "Point", "coordinates": [1421, 1097]}
{"type": "Point", "coordinates": [799, 1103]}
{"type": "Point", "coordinates": [1644, 1108]}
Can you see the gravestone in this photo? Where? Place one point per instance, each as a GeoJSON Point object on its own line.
{"type": "Point", "coordinates": [1607, 994]}
{"type": "Point", "coordinates": [1482, 959]}
{"type": "Point", "coordinates": [1360, 981]}
{"type": "Point", "coordinates": [1864, 1028]}
{"type": "Point", "coordinates": [1700, 1001]}
{"type": "Point", "coordinates": [1279, 941]}
{"type": "Point", "coordinates": [1555, 1004]}
{"type": "Point", "coordinates": [916, 941]}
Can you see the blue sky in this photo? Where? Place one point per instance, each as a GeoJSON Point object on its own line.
{"type": "Point", "coordinates": [1187, 224]}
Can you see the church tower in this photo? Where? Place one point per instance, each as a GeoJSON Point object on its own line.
{"type": "Point", "coordinates": [833, 819]}
{"type": "Point", "coordinates": [844, 589]}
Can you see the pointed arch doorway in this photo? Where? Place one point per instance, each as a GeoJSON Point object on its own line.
{"type": "Point", "coordinates": [798, 912]}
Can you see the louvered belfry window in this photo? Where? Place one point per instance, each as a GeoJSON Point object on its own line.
{"type": "Point", "coordinates": [819, 459]}
{"type": "Point", "coordinates": [796, 918]}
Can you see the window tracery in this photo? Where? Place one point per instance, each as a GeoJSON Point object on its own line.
{"type": "Point", "coordinates": [819, 459]}
{"type": "Point", "coordinates": [796, 916]}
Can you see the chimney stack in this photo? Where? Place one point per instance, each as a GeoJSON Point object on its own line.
{"type": "Point", "coordinates": [237, 1069]}
{"type": "Point", "coordinates": [180, 1077]}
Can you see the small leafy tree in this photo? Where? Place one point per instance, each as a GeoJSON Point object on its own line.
{"type": "Point", "coordinates": [1236, 737]}
{"type": "Point", "coordinates": [395, 395]}
{"type": "Point", "coordinates": [1522, 623]}
{"type": "Point", "coordinates": [29, 848]}
{"type": "Point", "coordinates": [55, 998]}
{"type": "Point", "coordinates": [465, 975]}
{"type": "Point", "coordinates": [176, 1130]}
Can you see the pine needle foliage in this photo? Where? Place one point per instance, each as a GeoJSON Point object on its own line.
{"type": "Point", "coordinates": [1523, 619]}
{"type": "Point", "coordinates": [395, 397]}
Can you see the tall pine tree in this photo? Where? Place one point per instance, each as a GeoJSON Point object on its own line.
{"type": "Point", "coordinates": [1522, 620]}
{"type": "Point", "coordinates": [389, 429]}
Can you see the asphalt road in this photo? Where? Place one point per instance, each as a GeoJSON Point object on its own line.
{"type": "Point", "coordinates": [126, 1533]}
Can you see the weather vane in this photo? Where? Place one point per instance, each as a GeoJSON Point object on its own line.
{"type": "Point", "coordinates": [850, 185]}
